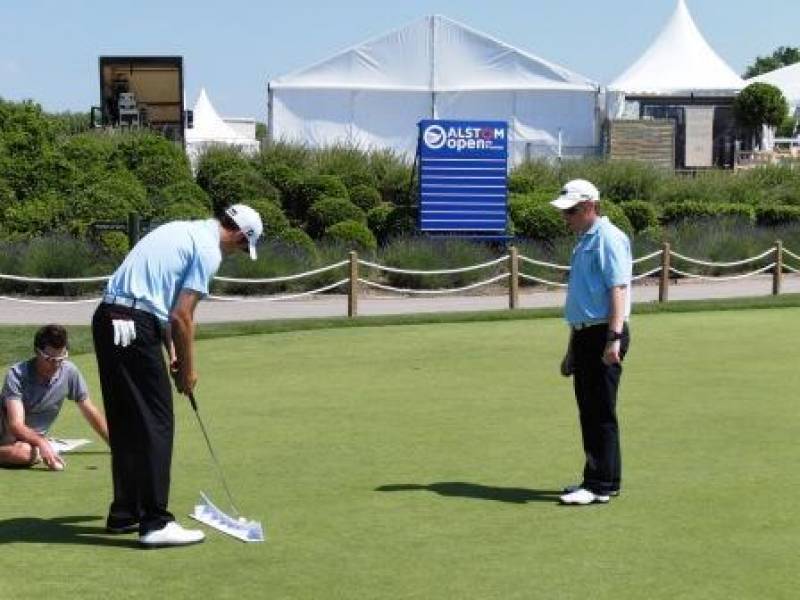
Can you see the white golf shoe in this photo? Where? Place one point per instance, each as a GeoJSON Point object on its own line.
{"type": "Point", "coordinates": [583, 497]}
{"type": "Point", "coordinates": [171, 534]}
{"type": "Point", "coordinates": [575, 487]}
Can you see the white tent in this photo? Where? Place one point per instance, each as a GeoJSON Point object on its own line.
{"type": "Point", "coordinates": [374, 94]}
{"type": "Point", "coordinates": [679, 63]}
{"type": "Point", "coordinates": [210, 129]}
{"type": "Point", "coordinates": [787, 79]}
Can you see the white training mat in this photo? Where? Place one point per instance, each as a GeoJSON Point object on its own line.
{"type": "Point", "coordinates": [241, 528]}
{"type": "Point", "coordinates": [62, 446]}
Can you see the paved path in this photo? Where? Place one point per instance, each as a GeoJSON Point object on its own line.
{"type": "Point", "coordinates": [209, 311]}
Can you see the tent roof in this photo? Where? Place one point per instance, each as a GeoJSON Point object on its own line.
{"type": "Point", "coordinates": [678, 63]}
{"type": "Point", "coordinates": [208, 125]}
{"type": "Point", "coordinates": [785, 78]}
{"type": "Point", "coordinates": [434, 54]}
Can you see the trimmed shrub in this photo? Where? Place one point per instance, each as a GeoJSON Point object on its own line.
{"type": "Point", "coordinates": [240, 186]}
{"type": "Point", "coordinates": [353, 234]}
{"type": "Point", "coordinates": [616, 215]}
{"type": "Point", "coordinates": [39, 215]}
{"type": "Point", "coordinates": [184, 211]}
{"type": "Point", "coordinates": [681, 211]}
{"type": "Point", "coordinates": [184, 199]}
{"type": "Point", "coordinates": [153, 159]}
{"type": "Point", "coordinates": [7, 195]}
{"type": "Point", "coordinates": [777, 215]}
{"type": "Point", "coordinates": [271, 215]}
{"type": "Point", "coordinates": [91, 156]}
{"type": "Point", "coordinates": [377, 220]}
{"type": "Point", "coordinates": [642, 215]}
{"type": "Point", "coordinates": [329, 211]}
{"type": "Point", "coordinates": [536, 220]}
{"type": "Point", "coordinates": [214, 161]}
{"type": "Point", "coordinates": [308, 190]}
{"type": "Point", "coordinates": [113, 198]}
{"type": "Point", "coordinates": [297, 239]}
{"type": "Point", "coordinates": [365, 197]}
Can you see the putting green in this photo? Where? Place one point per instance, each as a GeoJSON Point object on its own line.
{"type": "Point", "coordinates": [423, 461]}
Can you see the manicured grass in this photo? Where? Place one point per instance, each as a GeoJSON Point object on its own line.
{"type": "Point", "coordinates": [423, 461]}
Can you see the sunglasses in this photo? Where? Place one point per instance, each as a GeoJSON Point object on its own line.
{"type": "Point", "coordinates": [571, 211]}
{"type": "Point", "coordinates": [55, 360]}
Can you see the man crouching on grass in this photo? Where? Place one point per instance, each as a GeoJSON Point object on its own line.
{"type": "Point", "coordinates": [32, 396]}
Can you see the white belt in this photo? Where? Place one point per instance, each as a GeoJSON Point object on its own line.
{"type": "Point", "coordinates": [129, 302]}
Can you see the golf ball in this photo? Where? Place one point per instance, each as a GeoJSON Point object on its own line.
{"type": "Point", "coordinates": [242, 520]}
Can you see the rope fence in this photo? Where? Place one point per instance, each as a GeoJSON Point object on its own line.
{"type": "Point", "coordinates": [510, 263]}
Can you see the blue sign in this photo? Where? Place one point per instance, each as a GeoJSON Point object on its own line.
{"type": "Point", "coordinates": [463, 168]}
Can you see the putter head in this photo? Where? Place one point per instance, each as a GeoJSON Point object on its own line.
{"type": "Point", "coordinates": [243, 529]}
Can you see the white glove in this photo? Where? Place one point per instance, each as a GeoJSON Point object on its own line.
{"type": "Point", "coordinates": [124, 332]}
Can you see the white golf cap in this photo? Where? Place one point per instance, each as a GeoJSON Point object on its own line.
{"type": "Point", "coordinates": [574, 192]}
{"type": "Point", "coordinates": [249, 222]}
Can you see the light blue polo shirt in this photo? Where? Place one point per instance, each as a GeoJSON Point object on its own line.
{"type": "Point", "coordinates": [175, 256]}
{"type": "Point", "coordinates": [601, 260]}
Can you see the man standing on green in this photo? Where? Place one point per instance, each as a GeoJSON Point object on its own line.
{"type": "Point", "coordinates": [597, 309]}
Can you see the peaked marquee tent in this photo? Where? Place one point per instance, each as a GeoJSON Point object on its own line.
{"type": "Point", "coordinates": [680, 77]}
{"type": "Point", "coordinates": [679, 63]}
{"type": "Point", "coordinates": [373, 94]}
{"type": "Point", "coordinates": [210, 129]}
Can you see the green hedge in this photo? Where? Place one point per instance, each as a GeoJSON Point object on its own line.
{"type": "Point", "coordinates": [353, 235]}
{"type": "Point", "coordinates": [535, 219]}
{"type": "Point", "coordinates": [329, 211]}
{"type": "Point", "coordinates": [641, 215]}
{"type": "Point", "coordinates": [681, 211]}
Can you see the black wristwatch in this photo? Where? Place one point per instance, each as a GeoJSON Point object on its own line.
{"type": "Point", "coordinates": [613, 336]}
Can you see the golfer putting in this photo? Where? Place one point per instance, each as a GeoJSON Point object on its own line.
{"type": "Point", "coordinates": [149, 302]}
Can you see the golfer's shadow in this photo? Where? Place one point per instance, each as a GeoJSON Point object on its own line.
{"type": "Point", "coordinates": [462, 489]}
{"type": "Point", "coordinates": [59, 530]}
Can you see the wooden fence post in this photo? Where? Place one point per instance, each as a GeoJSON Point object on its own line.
{"type": "Point", "coordinates": [352, 293]}
{"type": "Point", "coordinates": [513, 283]}
{"type": "Point", "coordinates": [663, 286]}
{"type": "Point", "coordinates": [777, 274]}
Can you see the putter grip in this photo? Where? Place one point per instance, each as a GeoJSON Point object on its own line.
{"type": "Point", "coordinates": [193, 401]}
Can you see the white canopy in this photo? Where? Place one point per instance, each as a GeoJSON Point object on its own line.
{"type": "Point", "coordinates": [210, 129]}
{"type": "Point", "coordinates": [373, 94]}
{"type": "Point", "coordinates": [787, 79]}
{"type": "Point", "coordinates": [679, 63]}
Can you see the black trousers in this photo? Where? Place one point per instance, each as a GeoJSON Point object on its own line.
{"type": "Point", "coordinates": [596, 385]}
{"type": "Point", "coordinates": [137, 397]}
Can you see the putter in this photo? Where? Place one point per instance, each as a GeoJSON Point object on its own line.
{"type": "Point", "coordinates": [206, 512]}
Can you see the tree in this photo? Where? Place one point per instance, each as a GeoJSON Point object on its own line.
{"type": "Point", "coordinates": [782, 57]}
{"type": "Point", "coordinates": [760, 104]}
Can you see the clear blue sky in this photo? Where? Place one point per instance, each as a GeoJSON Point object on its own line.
{"type": "Point", "coordinates": [49, 48]}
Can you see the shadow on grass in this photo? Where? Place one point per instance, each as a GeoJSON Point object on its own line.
{"type": "Point", "coordinates": [461, 489]}
{"type": "Point", "coordinates": [59, 530]}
